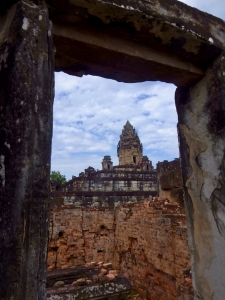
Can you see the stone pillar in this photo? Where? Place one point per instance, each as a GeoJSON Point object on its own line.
{"type": "Point", "coordinates": [201, 129]}
{"type": "Point", "coordinates": [26, 99]}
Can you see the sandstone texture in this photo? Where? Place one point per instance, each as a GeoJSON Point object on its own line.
{"type": "Point", "coordinates": [145, 241]}
{"type": "Point", "coordinates": [202, 147]}
{"type": "Point", "coordinates": [169, 174]}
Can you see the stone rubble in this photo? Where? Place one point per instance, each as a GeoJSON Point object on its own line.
{"type": "Point", "coordinates": [103, 276]}
{"type": "Point", "coordinates": [59, 284]}
{"type": "Point", "coordinates": [84, 282]}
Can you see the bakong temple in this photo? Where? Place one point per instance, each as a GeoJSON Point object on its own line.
{"type": "Point", "coordinates": [132, 180]}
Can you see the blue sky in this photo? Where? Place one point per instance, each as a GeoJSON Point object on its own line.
{"type": "Point", "coordinates": [90, 112]}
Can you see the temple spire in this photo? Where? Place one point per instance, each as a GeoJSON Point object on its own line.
{"type": "Point", "coordinates": [129, 149]}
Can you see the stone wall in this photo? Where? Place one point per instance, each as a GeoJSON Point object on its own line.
{"type": "Point", "coordinates": [151, 248]}
{"type": "Point", "coordinates": [145, 241]}
{"type": "Point", "coordinates": [108, 188]}
{"type": "Point", "coordinates": [122, 178]}
{"type": "Point", "coordinates": [79, 235]}
{"type": "Point", "coordinates": [98, 199]}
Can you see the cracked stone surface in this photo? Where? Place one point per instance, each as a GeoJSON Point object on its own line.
{"type": "Point", "coordinates": [201, 131]}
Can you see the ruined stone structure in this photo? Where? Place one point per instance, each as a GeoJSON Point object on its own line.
{"type": "Point", "coordinates": [170, 183]}
{"type": "Point", "coordinates": [128, 41]}
{"type": "Point", "coordinates": [132, 180]}
{"type": "Point", "coordinates": [145, 241]}
{"type": "Point", "coordinates": [107, 163]}
{"type": "Point", "coordinates": [93, 229]}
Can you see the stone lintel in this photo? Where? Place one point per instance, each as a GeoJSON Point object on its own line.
{"type": "Point", "coordinates": [112, 57]}
{"type": "Point", "coordinates": [135, 41]}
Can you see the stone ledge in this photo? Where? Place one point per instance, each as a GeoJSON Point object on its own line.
{"type": "Point", "coordinates": [119, 290]}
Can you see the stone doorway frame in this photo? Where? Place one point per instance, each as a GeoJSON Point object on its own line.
{"type": "Point", "coordinates": [127, 41]}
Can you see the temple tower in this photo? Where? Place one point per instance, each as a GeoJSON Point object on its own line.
{"type": "Point", "coordinates": [107, 163]}
{"type": "Point", "coordinates": [146, 164]}
{"type": "Point", "coordinates": [129, 149]}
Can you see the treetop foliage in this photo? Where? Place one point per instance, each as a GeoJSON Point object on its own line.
{"type": "Point", "coordinates": [56, 175]}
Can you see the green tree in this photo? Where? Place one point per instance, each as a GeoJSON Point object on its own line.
{"type": "Point", "coordinates": [56, 175]}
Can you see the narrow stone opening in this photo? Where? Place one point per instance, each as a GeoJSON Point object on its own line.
{"type": "Point", "coordinates": [96, 137]}
{"type": "Point", "coordinates": [60, 234]}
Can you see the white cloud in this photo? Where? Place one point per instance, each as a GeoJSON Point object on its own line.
{"type": "Point", "coordinates": [216, 8]}
{"type": "Point", "coordinates": [90, 112]}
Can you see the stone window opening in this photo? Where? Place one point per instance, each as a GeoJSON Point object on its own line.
{"type": "Point", "coordinates": [60, 234]}
{"type": "Point", "coordinates": [134, 160]}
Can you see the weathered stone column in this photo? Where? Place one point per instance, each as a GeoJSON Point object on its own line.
{"type": "Point", "coordinates": [26, 98]}
{"type": "Point", "coordinates": [201, 128]}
